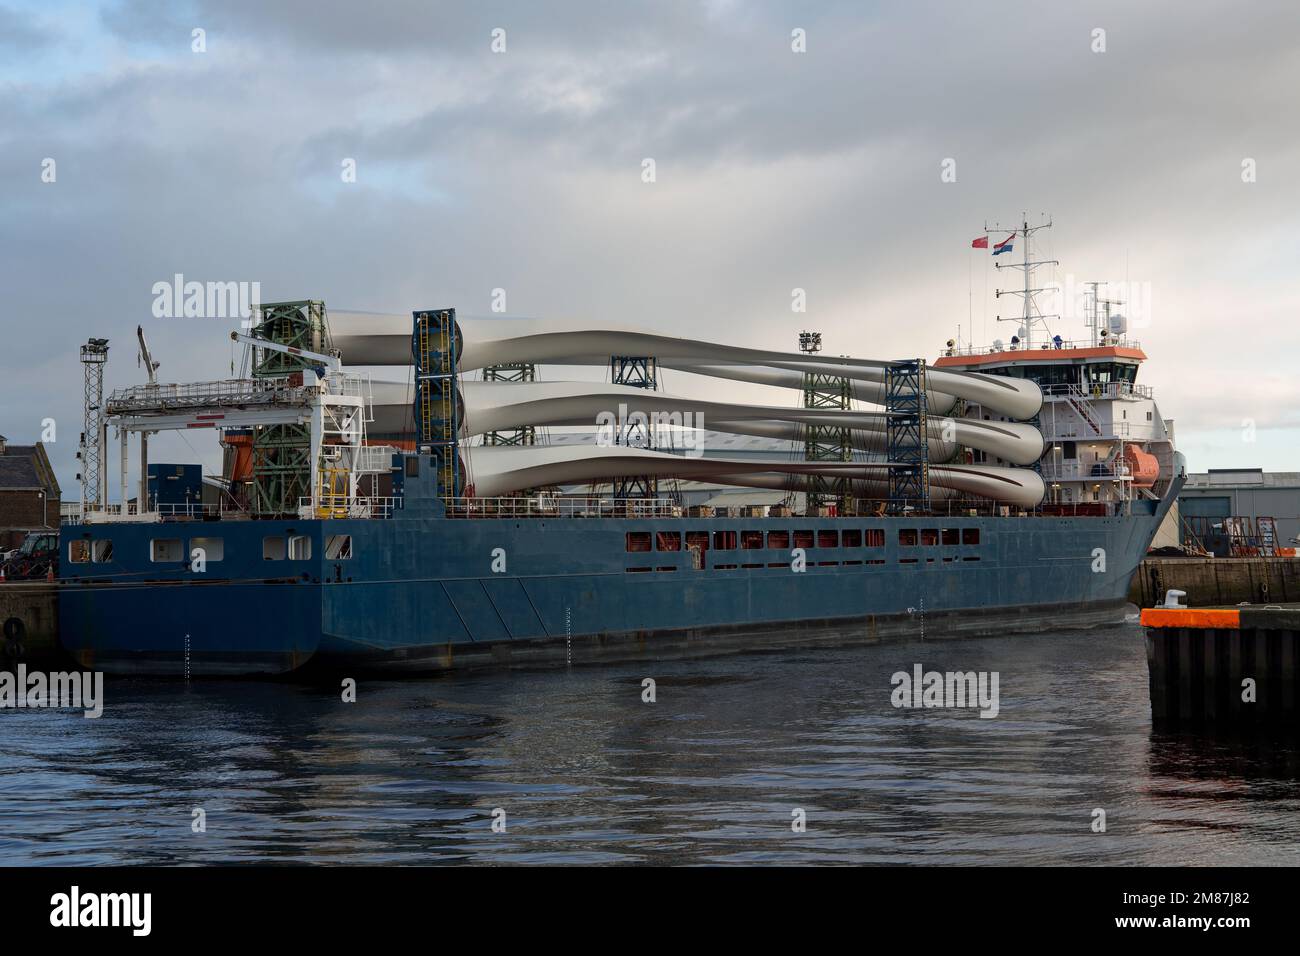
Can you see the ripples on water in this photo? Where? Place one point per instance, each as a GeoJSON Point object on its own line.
{"type": "Point", "coordinates": [710, 773]}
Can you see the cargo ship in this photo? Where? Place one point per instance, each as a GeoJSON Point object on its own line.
{"type": "Point", "coordinates": [422, 525]}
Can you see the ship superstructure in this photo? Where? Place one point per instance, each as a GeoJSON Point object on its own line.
{"type": "Point", "coordinates": [1106, 441]}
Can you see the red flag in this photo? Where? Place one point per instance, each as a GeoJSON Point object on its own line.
{"type": "Point", "coordinates": [981, 243]}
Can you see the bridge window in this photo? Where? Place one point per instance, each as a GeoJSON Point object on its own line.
{"type": "Point", "coordinates": [778, 539]}
{"type": "Point", "coordinates": [930, 537]}
{"type": "Point", "coordinates": [338, 547]}
{"type": "Point", "coordinates": [299, 547]}
{"type": "Point", "coordinates": [875, 538]}
{"type": "Point", "coordinates": [638, 541]}
{"type": "Point", "coordinates": [828, 539]}
{"type": "Point", "coordinates": [803, 539]}
{"type": "Point", "coordinates": [214, 549]}
{"type": "Point", "coordinates": [697, 540]}
{"type": "Point", "coordinates": [163, 550]}
{"type": "Point", "coordinates": [751, 540]}
{"type": "Point", "coordinates": [79, 551]}
{"type": "Point", "coordinates": [852, 538]}
{"type": "Point", "coordinates": [951, 536]}
{"type": "Point", "coordinates": [970, 535]}
{"type": "Point", "coordinates": [907, 537]}
{"type": "Point", "coordinates": [724, 541]}
{"type": "Point", "coordinates": [101, 551]}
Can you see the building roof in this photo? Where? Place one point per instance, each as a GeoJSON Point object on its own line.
{"type": "Point", "coordinates": [1234, 479]}
{"type": "Point", "coordinates": [25, 468]}
{"type": "Point", "coordinates": [17, 471]}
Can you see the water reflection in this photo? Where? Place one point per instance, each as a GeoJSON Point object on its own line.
{"type": "Point", "coordinates": [710, 772]}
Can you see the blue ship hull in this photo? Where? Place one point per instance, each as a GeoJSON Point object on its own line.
{"type": "Point", "coordinates": [425, 592]}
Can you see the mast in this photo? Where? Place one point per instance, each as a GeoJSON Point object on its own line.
{"type": "Point", "coordinates": [1030, 313]}
{"type": "Point", "coordinates": [1096, 304]}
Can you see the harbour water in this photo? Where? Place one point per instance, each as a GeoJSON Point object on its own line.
{"type": "Point", "coordinates": [711, 772]}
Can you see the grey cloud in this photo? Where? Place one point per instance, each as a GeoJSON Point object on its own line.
{"type": "Point", "coordinates": [522, 171]}
{"type": "Point", "coordinates": [20, 33]}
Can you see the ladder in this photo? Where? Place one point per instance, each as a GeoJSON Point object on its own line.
{"type": "Point", "coordinates": [1079, 402]}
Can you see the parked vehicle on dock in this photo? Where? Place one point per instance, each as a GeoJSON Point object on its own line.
{"type": "Point", "coordinates": [34, 558]}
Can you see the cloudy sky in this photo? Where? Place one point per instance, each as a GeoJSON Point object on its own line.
{"type": "Point", "coordinates": [522, 170]}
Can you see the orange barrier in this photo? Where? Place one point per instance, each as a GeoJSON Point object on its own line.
{"type": "Point", "coordinates": [1191, 617]}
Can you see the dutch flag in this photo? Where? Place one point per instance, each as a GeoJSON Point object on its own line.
{"type": "Point", "coordinates": [1004, 245]}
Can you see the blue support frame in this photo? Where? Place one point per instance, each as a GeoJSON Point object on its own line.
{"type": "Point", "coordinates": [907, 430]}
{"type": "Point", "coordinates": [435, 349]}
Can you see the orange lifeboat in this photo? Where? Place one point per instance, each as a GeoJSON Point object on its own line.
{"type": "Point", "coordinates": [1142, 466]}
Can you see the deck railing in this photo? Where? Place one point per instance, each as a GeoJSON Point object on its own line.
{"type": "Point", "coordinates": [1086, 471]}
{"type": "Point", "coordinates": [1101, 390]}
{"type": "Point", "coordinates": [238, 391]}
{"type": "Point", "coordinates": [564, 507]}
{"type": "Point", "coordinates": [342, 506]}
{"type": "Point", "coordinates": [544, 506]}
{"type": "Point", "coordinates": [1049, 347]}
{"type": "Point", "coordinates": [189, 511]}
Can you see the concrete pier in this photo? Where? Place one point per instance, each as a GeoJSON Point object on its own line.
{"type": "Point", "coordinates": [1211, 582]}
{"type": "Point", "coordinates": [29, 623]}
{"type": "Point", "coordinates": [1223, 667]}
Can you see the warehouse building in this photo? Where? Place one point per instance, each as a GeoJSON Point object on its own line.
{"type": "Point", "coordinates": [1249, 493]}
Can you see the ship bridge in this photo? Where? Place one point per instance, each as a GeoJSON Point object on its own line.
{"type": "Point", "coordinates": [1106, 440]}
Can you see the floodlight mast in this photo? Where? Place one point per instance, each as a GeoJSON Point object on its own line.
{"type": "Point", "coordinates": [94, 491]}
